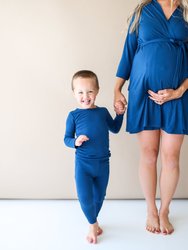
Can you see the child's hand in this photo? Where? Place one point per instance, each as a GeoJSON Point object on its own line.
{"type": "Point", "coordinates": [80, 140]}
{"type": "Point", "coordinates": [120, 107]}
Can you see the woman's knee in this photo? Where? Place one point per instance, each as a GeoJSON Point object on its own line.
{"type": "Point", "coordinates": [149, 155]}
{"type": "Point", "coordinates": [170, 159]}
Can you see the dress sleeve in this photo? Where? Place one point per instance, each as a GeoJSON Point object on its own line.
{"type": "Point", "coordinates": [69, 138]}
{"type": "Point", "coordinates": [114, 125]}
{"type": "Point", "coordinates": [186, 63]}
{"type": "Point", "coordinates": [129, 51]}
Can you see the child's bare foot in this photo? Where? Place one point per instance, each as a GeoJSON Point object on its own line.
{"type": "Point", "coordinates": [152, 224]}
{"type": "Point", "coordinates": [99, 231]}
{"type": "Point", "coordinates": [165, 225]}
{"type": "Point", "coordinates": [92, 235]}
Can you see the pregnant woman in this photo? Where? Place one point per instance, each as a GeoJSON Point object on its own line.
{"type": "Point", "coordinates": [155, 60]}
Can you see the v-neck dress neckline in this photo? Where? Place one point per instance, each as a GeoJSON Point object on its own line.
{"type": "Point", "coordinates": [167, 19]}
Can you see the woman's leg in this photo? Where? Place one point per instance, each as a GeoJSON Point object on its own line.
{"type": "Point", "coordinates": [149, 148]}
{"type": "Point", "coordinates": [170, 152]}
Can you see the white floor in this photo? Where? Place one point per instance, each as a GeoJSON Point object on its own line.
{"type": "Point", "coordinates": [55, 225]}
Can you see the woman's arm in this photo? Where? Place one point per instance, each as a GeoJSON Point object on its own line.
{"type": "Point", "coordinates": [183, 87]}
{"type": "Point", "coordinates": [120, 102]}
{"type": "Point", "coordinates": [166, 95]}
{"type": "Point", "coordinates": [124, 69]}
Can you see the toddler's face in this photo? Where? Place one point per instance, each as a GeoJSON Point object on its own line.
{"type": "Point", "coordinates": [85, 92]}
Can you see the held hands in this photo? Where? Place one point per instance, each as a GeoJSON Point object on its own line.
{"type": "Point", "coordinates": [164, 95]}
{"type": "Point", "coordinates": [80, 139]}
{"type": "Point", "coordinates": [120, 104]}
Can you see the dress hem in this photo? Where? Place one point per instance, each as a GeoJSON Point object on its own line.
{"type": "Point", "coordinates": [152, 129]}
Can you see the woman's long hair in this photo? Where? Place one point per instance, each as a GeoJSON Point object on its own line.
{"type": "Point", "coordinates": [137, 12]}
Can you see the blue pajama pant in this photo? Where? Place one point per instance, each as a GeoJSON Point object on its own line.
{"type": "Point", "coordinates": [91, 177]}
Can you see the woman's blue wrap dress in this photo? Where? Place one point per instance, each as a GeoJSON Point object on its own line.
{"type": "Point", "coordinates": [155, 57]}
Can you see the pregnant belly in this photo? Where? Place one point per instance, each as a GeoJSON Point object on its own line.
{"type": "Point", "coordinates": [156, 67]}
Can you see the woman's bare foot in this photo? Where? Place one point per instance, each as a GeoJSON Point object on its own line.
{"type": "Point", "coordinates": [93, 233]}
{"type": "Point", "coordinates": [165, 225]}
{"type": "Point", "coordinates": [152, 223]}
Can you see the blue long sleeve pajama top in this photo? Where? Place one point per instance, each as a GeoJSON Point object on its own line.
{"type": "Point", "coordinates": [95, 123]}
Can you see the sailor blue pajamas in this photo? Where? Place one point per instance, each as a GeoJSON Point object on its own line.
{"type": "Point", "coordinates": [91, 177]}
{"type": "Point", "coordinates": [92, 157]}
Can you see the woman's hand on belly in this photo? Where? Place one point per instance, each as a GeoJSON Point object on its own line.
{"type": "Point", "coordinates": [164, 95]}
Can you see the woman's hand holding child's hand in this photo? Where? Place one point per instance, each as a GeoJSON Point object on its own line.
{"type": "Point", "coordinates": [120, 107]}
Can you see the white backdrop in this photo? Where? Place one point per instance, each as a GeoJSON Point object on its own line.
{"type": "Point", "coordinates": [42, 44]}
